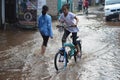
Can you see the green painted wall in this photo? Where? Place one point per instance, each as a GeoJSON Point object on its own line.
{"type": "Point", "coordinates": [60, 3]}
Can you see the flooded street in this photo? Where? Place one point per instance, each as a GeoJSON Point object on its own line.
{"type": "Point", "coordinates": [100, 46]}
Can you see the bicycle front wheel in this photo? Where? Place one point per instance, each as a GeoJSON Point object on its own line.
{"type": "Point", "coordinates": [60, 60]}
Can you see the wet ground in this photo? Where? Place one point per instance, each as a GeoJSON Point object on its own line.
{"type": "Point", "coordinates": [100, 60]}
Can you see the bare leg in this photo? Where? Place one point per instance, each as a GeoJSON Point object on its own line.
{"type": "Point", "coordinates": [41, 52]}
{"type": "Point", "coordinates": [78, 50]}
{"type": "Point", "coordinates": [43, 49]}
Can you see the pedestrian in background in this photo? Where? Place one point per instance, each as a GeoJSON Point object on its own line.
{"type": "Point", "coordinates": [80, 2]}
{"type": "Point", "coordinates": [85, 6]}
{"type": "Point", "coordinates": [45, 28]}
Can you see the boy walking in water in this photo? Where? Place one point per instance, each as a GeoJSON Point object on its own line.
{"type": "Point", "coordinates": [45, 28]}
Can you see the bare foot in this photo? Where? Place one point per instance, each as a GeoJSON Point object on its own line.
{"type": "Point", "coordinates": [78, 54]}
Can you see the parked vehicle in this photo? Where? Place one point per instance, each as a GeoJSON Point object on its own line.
{"type": "Point", "coordinates": [112, 9]}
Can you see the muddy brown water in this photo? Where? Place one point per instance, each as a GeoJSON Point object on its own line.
{"type": "Point", "coordinates": [113, 24]}
{"type": "Point", "coordinates": [100, 60]}
{"type": "Point", "coordinates": [13, 37]}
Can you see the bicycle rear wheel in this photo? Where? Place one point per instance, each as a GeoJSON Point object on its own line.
{"type": "Point", "coordinates": [80, 48]}
{"type": "Point", "coordinates": [60, 60]}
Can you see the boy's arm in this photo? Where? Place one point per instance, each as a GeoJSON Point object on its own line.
{"type": "Point", "coordinates": [50, 27]}
{"type": "Point", "coordinates": [77, 20]}
{"type": "Point", "coordinates": [74, 17]}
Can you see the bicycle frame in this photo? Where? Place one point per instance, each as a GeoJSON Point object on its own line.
{"type": "Point", "coordinates": [72, 51]}
{"type": "Point", "coordinates": [71, 46]}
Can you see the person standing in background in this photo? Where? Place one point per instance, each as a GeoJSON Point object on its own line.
{"type": "Point", "coordinates": [80, 2]}
{"type": "Point", "coordinates": [85, 6]}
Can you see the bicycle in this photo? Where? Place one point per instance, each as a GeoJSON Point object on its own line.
{"type": "Point", "coordinates": [62, 56]}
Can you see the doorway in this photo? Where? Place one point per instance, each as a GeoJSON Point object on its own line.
{"type": "Point", "coordinates": [10, 11]}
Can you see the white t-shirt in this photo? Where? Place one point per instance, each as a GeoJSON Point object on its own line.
{"type": "Point", "coordinates": [69, 20]}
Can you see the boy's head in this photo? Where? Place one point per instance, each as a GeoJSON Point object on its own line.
{"type": "Point", "coordinates": [44, 9]}
{"type": "Point", "coordinates": [65, 8]}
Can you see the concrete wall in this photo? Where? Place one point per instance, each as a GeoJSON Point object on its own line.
{"type": "Point", "coordinates": [52, 4]}
{"type": "Point", "coordinates": [75, 2]}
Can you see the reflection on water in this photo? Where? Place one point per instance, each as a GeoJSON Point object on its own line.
{"type": "Point", "coordinates": [11, 38]}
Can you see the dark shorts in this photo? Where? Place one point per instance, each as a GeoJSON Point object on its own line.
{"type": "Point", "coordinates": [45, 40]}
{"type": "Point", "coordinates": [66, 34]}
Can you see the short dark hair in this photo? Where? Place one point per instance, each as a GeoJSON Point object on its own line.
{"type": "Point", "coordinates": [45, 8]}
{"type": "Point", "coordinates": [66, 5]}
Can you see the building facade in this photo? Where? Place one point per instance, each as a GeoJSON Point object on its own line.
{"type": "Point", "coordinates": [22, 12]}
{"type": "Point", "coordinates": [9, 9]}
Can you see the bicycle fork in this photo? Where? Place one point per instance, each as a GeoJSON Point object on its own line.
{"type": "Point", "coordinates": [65, 56]}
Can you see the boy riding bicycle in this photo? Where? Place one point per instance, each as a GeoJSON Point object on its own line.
{"type": "Point", "coordinates": [71, 21]}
